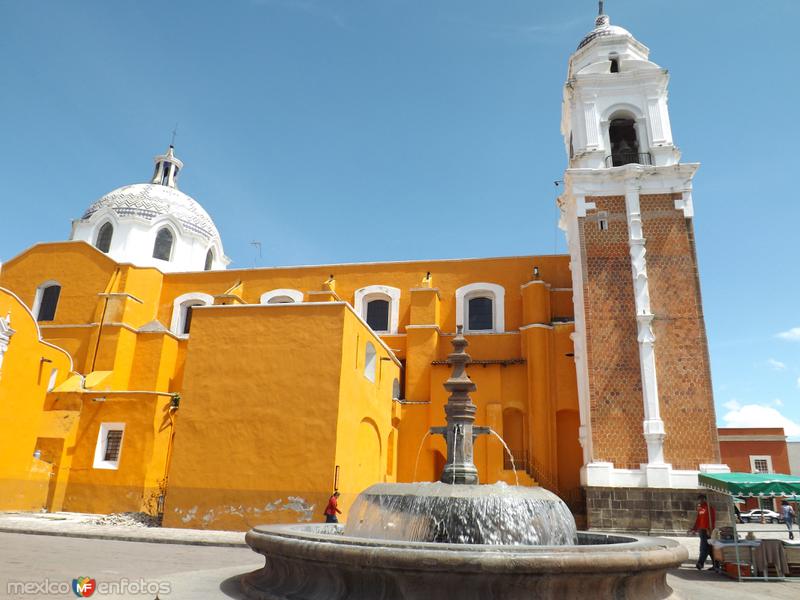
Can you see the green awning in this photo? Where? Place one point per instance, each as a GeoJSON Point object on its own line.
{"type": "Point", "coordinates": [751, 484]}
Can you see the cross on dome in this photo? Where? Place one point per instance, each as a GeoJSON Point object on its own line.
{"type": "Point", "coordinates": [167, 168]}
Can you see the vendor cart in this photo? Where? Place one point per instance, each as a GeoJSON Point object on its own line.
{"type": "Point", "coordinates": [757, 485]}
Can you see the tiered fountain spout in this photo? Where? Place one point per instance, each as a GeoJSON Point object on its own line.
{"type": "Point", "coordinates": [460, 431]}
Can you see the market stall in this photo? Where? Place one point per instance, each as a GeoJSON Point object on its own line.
{"type": "Point", "coordinates": [756, 558]}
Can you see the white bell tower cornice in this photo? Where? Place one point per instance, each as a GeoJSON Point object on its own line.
{"type": "Point", "coordinates": [612, 83]}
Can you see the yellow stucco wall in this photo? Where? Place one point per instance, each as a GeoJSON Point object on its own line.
{"type": "Point", "coordinates": [25, 375]}
{"type": "Point", "coordinates": [260, 444]}
{"type": "Point", "coordinates": [241, 362]}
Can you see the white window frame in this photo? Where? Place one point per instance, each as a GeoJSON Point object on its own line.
{"type": "Point", "coordinates": [295, 295]}
{"type": "Point", "coordinates": [100, 447]}
{"type": "Point", "coordinates": [37, 299]}
{"type": "Point", "coordinates": [5, 337]}
{"type": "Point", "coordinates": [765, 457]}
{"type": "Point", "coordinates": [181, 304]}
{"type": "Point", "coordinates": [365, 295]}
{"type": "Point", "coordinates": [481, 290]}
{"type": "Point", "coordinates": [370, 361]}
{"type": "Point", "coordinates": [51, 382]}
{"type": "Point", "coordinates": [626, 110]}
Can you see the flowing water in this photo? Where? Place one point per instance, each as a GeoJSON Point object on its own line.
{"type": "Point", "coordinates": [416, 463]}
{"type": "Point", "coordinates": [508, 451]}
{"type": "Point", "coordinates": [496, 514]}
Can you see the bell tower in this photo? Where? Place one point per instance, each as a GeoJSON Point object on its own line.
{"type": "Point", "coordinates": [644, 383]}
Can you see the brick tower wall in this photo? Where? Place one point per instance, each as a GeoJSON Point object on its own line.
{"type": "Point", "coordinates": [682, 363]}
{"type": "Point", "coordinates": [615, 384]}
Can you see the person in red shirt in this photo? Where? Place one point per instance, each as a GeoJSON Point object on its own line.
{"type": "Point", "coordinates": [332, 509]}
{"type": "Point", "coordinates": [703, 526]}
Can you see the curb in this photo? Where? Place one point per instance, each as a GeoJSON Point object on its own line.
{"type": "Point", "coordinates": [124, 537]}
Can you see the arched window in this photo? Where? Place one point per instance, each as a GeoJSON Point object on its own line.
{"type": "Point", "coordinates": [187, 316]}
{"type": "Point", "coordinates": [182, 311]}
{"type": "Point", "coordinates": [281, 296]}
{"type": "Point", "coordinates": [370, 361]}
{"type": "Point", "coordinates": [162, 249]}
{"type": "Point", "coordinates": [480, 313]}
{"type": "Point", "coordinates": [614, 59]}
{"type": "Point", "coordinates": [379, 306]}
{"type": "Point", "coordinates": [377, 314]}
{"type": "Point", "coordinates": [104, 235]}
{"type": "Point", "coordinates": [624, 141]}
{"type": "Point", "coordinates": [209, 260]}
{"type": "Point", "coordinates": [46, 301]}
{"type": "Point", "coordinates": [480, 308]}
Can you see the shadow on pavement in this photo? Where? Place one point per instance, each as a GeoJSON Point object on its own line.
{"type": "Point", "coordinates": [688, 572]}
{"type": "Point", "coordinates": [232, 588]}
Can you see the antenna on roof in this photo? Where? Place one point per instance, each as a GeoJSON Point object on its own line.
{"type": "Point", "coordinates": [256, 259]}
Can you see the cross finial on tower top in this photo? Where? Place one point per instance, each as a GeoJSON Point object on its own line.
{"type": "Point", "coordinates": [174, 135]}
{"type": "Point", "coordinates": [600, 10]}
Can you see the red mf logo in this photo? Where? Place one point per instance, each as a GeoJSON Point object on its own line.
{"type": "Point", "coordinates": [84, 586]}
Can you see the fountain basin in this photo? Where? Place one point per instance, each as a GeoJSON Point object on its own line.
{"type": "Point", "coordinates": [465, 514]}
{"type": "Point", "coordinates": [317, 561]}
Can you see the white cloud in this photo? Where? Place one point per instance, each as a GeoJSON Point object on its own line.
{"type": "Point", "coordinates": [792, 335]}
{"type": "Point", "coordinates": [777, 402]}
{"type": "Point", "coordinates": [776, 364]}
{"type": "Point", "coordinates": [732, 404]}
{"type": "Point", "coordinates": [757, 415]}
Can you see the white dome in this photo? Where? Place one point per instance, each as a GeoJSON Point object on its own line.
{"type": "Point", "coordinates": [153, 224]}
{"type": "Point", "coordinates": [602, 28]}
{"type": "Point", "coordinates": [150, 201]}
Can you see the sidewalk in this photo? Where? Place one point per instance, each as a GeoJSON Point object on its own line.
{"type": "Point", "coordinates": [687, 582]}
{"type": "Point", "coordinates": [80, 525]}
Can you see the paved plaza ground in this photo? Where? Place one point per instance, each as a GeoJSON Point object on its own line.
{"type": "Point", "coordinates": [192, 571]}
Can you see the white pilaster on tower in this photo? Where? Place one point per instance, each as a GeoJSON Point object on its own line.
{"type": "Point", "coordinates": [657, 474]}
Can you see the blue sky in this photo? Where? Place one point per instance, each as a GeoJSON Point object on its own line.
{"type": "Point", "coordinates": [367, 130]}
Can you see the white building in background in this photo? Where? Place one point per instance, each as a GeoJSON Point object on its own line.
{"type": "Point", "coordinates": [793, 449]}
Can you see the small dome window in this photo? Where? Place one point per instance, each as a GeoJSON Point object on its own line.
{"type": "Point", "coordinates": [162, 249]}
{"type": "Point", "coordinates": [104, 235]}
{"type": "Point", "coordinates": [209, 260]}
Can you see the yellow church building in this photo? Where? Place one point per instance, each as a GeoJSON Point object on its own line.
{"type": "Point", "coordinates": [139, 373]}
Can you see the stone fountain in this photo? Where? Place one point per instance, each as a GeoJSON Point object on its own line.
{"type": "Point", "coordinates": [455, 537]}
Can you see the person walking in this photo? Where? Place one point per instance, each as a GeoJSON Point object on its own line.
{"type": "Point", "coordinates": [788, 517]}
{"type": "Point", "coordinates": [332, 509]}
{"type": "Point", "coordinates": [703, 525]}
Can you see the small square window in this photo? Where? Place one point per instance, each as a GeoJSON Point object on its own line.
{"type": "Point", "coordinates": [761, 464]}
{"type": "Point", "coordinates": [108, 450]}
{"type": "Point", "coordinates": [113, 445]}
